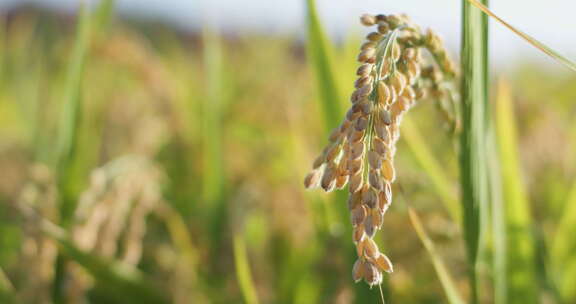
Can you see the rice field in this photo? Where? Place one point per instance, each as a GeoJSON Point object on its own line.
{"type": "Point", "coordinates": [143, 164]}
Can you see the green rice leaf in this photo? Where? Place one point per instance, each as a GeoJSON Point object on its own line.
{"type": "Point", "coordinates": [213, 175]}
{"type": "Point", "coordinates": [498, 222]}
{"type": "Point", "coordinates": [443, 274]}
{"type": "Point", "coordinates": [6, 289]}
{"type": "Point", "coordinates": [243, 273]}
{"type": "Point", "coordinates": [520, 257]}
{"type": "Point", "coordinates": [563, 249]}
{"type": "Point", "coordinates": [67, 136]}
{"type": "Point", "coordinates": [429, 163]}
{"type": "Point", "coordinates": [70, 117]}
{"type": "Point", "coordinates": [473, 148]}
{"type": "Point", "coordinates": [320, 55]}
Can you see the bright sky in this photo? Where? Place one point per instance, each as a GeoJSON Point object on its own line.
{"type": "Point", "coordinates": [550, 21]}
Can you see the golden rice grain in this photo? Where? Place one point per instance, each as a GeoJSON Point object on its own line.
{"type": "Point", "coordinates": [367, 19]}
{"type": "Point", "coordinates": [384, 264]}
{"type": "Point", "coordinates": [358, 215]}
{"type": "Point", "coordinates": [383, 27]}
{"type": "Point", "coordinates": [367, 45]}
{"type": "Point", "coordinates": [312, 179]}
{"type": "Point", "coordinates": [341, 181]}
{"type": "Point", "coordinates": [374, 180]}
{"type": "Point", "coordinates": [374, 36]}
{"type": "Point", "coordinates": [388, 170]}
{"type": "Point", "coordinates": [369, 197]}
{"type": "Point", "coordinates": [398, 81]}
{"type": "Point", "coordinates": [382, 132]}
{"type": "Point", "coordinates": [366, 54]}
{"type": "Point", "coordinates": [328, 179]}
{"type": "Point", "coordinates": [372, 275]}
{"type": "Point", "coordinates": [370, 249]}
{"type": "Point", "coordinates": [364, 70]}
{"type": "Point", "coordinates": [356, 182]}
{"type": "Point", "coordinates": [358, 271]}
{"type": "Point", "coordinates": [379, 146]}
{"type": "Point", "coordinates": [358, 233]}
{"type": "Point", "coordinates": [384, 95]}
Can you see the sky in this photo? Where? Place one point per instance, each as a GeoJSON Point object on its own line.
{"type": "Point", "coordinates": [550, 21]}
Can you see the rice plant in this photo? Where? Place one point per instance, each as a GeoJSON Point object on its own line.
{"type": "Point", "coordinates": [392, 77]}
{"type": "Point", "coordinates": [141, 163]}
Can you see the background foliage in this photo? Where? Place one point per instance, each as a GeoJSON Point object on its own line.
{"type": "Point", "coordinates": [142, 164]}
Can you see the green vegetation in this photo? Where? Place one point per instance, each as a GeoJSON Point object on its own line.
{"type": "Point", "coordinates": [141, 165]}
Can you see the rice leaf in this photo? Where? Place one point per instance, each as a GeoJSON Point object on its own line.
{"type": "Point", "coordinates": [70, 117]}
{"type": "Point", "coordinates": [67, 135]}
{"type": "Point", "coordinates": [520, 258]}
{"type": "Point", "coordinates": [563, 248]}
{"type": "Point", "coordinates": [213, 180]}
{"type": "Point", "coordinates": [537, 44]}
{"type": "Point", "coordinates": [473, 162]}
{"type": "Point", "coordinates": [498, 222]}
{"type": "Point", "coordinates": [567, 281]}
{"type": "Point", "coordinates": [243, 273]}
{"type": "Point", "coordinates": [103, 14]}
{"type": "Point", "coordinates": [320, 55]}
{"type": "Point", "coordinates": [428, 162]}
{"type": "Point", "coordinates": [6, 289]}
{"type": "Point", "coordinates": [443, 274]}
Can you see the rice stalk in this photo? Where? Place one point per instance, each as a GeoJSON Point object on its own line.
{"type": "Point", "coordinates": [392, 77]}
{"type": "Point", "coordinates": [473, 148]}
{"type": "Point", "coordinates": [521, 286]}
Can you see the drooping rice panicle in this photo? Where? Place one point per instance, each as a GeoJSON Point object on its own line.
{"type": "Point", "coordinates": [394, 74]}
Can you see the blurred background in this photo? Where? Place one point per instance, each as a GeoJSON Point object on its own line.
{"type": "Point", "coordinates": [154, 151]}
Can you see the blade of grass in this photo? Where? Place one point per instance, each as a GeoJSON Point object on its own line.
{"type": "Point", "coordinates": [243, 273]}
{"type": "Point", "coordinates": [182, 240]}
{"type": "Point", "coordinates": [67, 134]}
{"type": "Point", "coordinates": [6, 289]}
{"type": "Point", "coordinates": [320, 55]}
{"type": "Point", "coordinates": [212, 118]}
{"type": "Point", "coordinates": [563, 249]}
{"type": "Point", "coordinates": [71, 107]}
{"type": "Point", "coordinates": [70, 114]}
{"type": "Point", "coordinates": [520, 259]}
{"type": "Point", "coordinates": [473, 171]}
{"type": "Point", "coordinates": [498, 222]}
{"type": "Point", "coordinates": [443, 274]}
{"type": "Point", "coordinates": [428, 162]}
{"type": "Point", "coordinates": [537, 44]}
{"type": "Point", "coordinates": [103, 14]}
